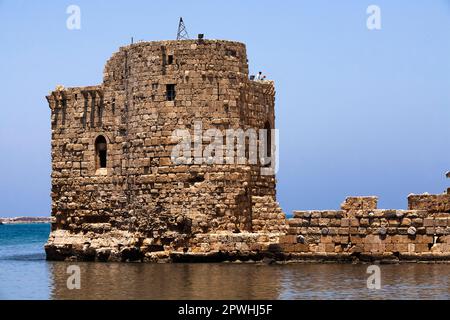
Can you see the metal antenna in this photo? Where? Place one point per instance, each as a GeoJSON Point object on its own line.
{"type": "Point", "coordinates": [182, 32]}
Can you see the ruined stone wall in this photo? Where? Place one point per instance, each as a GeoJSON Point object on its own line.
{"type": "Point", "coordinates": [361, 231]}
{"type": "Point", "coordinates": [141, 193]}
{"type": "Point", "coordinates": [434, 203]}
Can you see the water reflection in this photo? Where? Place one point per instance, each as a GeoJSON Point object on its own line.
{"type": "Point", "coordinates": [169, 281]}
{"type": "Point", "coordinates": [412, 281]}
{"type": "Point", "coordinates": [242, 281]}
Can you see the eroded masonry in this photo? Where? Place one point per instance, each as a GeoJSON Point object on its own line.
{"type": "Point", "coordinates": [118, 194]}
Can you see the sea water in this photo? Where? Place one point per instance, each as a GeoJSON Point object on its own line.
{"type": "Point", "coordinates": [25, 274]}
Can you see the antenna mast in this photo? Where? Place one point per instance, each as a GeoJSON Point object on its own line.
{"type": "Point", "coordinates": [182, 32]}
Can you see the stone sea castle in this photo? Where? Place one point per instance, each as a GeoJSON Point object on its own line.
{"type": "Point", "coordinates": [117, 194]}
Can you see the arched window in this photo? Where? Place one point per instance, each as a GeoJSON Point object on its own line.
{"type": "Point", "coordinates": [101, 152]}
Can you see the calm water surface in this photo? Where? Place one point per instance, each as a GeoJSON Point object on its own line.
{"type": "Point", "coordinates": [24, 274]}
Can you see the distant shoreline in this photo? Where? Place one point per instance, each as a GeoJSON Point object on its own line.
{"type": "Point", "coordinates": [25, 220]}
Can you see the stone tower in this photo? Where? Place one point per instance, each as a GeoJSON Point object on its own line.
{"type": "Point", "coordinates": [117, 192]}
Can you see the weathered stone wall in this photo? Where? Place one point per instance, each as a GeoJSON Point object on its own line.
{"type": "Point", "coordinates": [141, 191]}
{"type": "Point", "coordinates": [433, 203]}
{"type": "Point", "coordinates": [361, 231]}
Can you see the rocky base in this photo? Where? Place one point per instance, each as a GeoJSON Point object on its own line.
{"type": "Point", "coordinates": [120, 246]}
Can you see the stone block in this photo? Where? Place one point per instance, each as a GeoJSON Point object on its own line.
{"type": "Point", "coordinates": [428, 222]}
{"type": "Point", "coordinates": [360, 203]}
{"type": "Point", "coordinates": [345, 222]}
{"type": "Point", "coordinates": [441, 222]}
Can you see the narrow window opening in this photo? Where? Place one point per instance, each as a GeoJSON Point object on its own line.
{"type": "Point", "coordinates": [247, 148]}
{"type": "Point", "coordinates": [93, 111]}
{"type": "Point", "coordinates": [170, 92]}
{"type": "Point", "coordinates": [101, 152]}
{"type": "Point", "coordinates": [64, 111]}
{"type": "Point", "coordinates": [100, 114]}
{"type": "Point", "coordinates": [230, 53]}
{"type": "Point", "coordinates": [85, 111]}
{"type": "Point", "coordinates": [268, 137]}
{"type": "Point", "coordinates": [55, 120]}
{"type": "Point", "coordinates": [170, 59]}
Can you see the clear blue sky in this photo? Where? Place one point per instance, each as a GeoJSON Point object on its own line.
{"type": "Point", "coordinates": [360, 112]}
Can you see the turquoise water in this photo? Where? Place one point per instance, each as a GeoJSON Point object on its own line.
{"type": "Point", "coordinates": [25, 274]}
